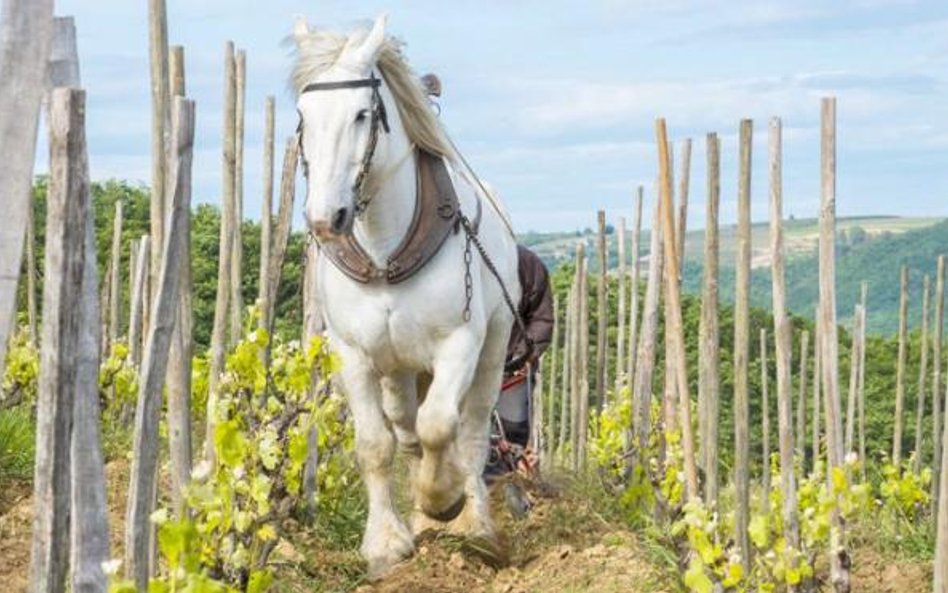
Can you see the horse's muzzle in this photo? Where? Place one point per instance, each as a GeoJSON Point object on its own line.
{"type": "Point", "coordinates": [338, 225]}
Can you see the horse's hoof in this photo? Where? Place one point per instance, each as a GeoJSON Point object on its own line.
{"type": "Point", "coordinates": [449, 514]}
{"type": "Point", "coordinates": [488, 549]}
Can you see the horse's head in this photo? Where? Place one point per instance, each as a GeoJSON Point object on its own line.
{"type": "Point", "coordinates": [342, 119]}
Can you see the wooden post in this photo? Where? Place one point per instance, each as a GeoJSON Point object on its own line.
{"type": "Point", "coordinates": [551, 399]}
{"type": "Point", "coordinates": [64, 287]}
{"type": "Point", "coordinates": [25, 37]}
{"type": "Point", "coordinates": [567, 375]}
{"type": "Point", "coordinates": [32, 315]}
{"type": "Point", "coordinates": [861, 387]}
{"type": "Point", "coordinates": [683, 183]}
{"type": "Point", "coordinates": [160, 120]}
{"type": "Point", "coordinates": [801, 400]}
{"type": "Point", "coordinates": [674, 330]}
{"type": "Point", "coordinates": [817, 392]}
{"type": "Point", "coordinates": [900, 369]}
{"type": "Point", "coordinates": [634, 296]}
{"type": "Point", "coordinates": [620, 309]}
{"type": "Point", "coordinates": [764, 421]}
{"type": "Point", "coordinates": [136, 319]}
{"type": "Point", "coordinates": [583, 369]}
{"type": "Point", "coordinates": [143, 475]}
{"type": "Point", "coordinates": [937, 407]}
{"type": "Point", "coordinates": [940, 582]}
{"type": "Point", "coordinates": [114, 279]}
{"type": "Point", "coordinates": [132, 275]}
{"type": "Point", "coordinates": [312, 327]}
{"type": "Point", "coordinates": [742, 348]}
{"type": "Point", "coordinates": [179, 358]}
{"type": "Point", "coordinates": [237, 253]}
{"type": "Point", "coordinates": [783, 342]}
{"type": "Point", "coordinates": [839, 557]}
{"type": "Point", "coordinates": [850, 427]}
{"type": "Point", "coordinates": [602, 314]}
{"type": "Point", "coordinates": [709, 378]}
{"type": "Point", "coordinates": [645, 358]}
{"type": "Point", "coordinates": [576, 375]}
{"type": "Point", "coordinates": [922, 378]}
{"type": "Point", "coordinates": [266, 217]}
{"type": "Point", "coordinates": [219, 330]}
{"type": "Point", "coordinates": [284, 221]}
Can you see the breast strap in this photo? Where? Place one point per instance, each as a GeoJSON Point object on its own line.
{"type": "Point", "coordinates": [437, 211]}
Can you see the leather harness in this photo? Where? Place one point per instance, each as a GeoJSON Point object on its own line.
{"type": "Point", "coordinates": [437, 215]}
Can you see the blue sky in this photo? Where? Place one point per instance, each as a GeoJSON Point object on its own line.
{"type": "Point", "coordinates": [554, 102]}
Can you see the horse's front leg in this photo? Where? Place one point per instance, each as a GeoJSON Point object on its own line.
{"type": "Point", "coordinates": [386, 540]}
{"type": "Point", "coordinates": [439, 476]}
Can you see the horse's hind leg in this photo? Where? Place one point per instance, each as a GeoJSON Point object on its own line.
{"type": "Point", "coordinates": [386, 540]}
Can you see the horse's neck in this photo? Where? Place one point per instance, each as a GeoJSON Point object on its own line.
{"type": "Point", "coordinates": [392, 179]}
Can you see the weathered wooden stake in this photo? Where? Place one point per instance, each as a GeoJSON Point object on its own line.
{"type": "Point", "coordinates": [861, 387]}
{"type": "Point", "coordinates": [576, 363]}
{"type": "Point", "coordinates": [583, 369]}
{"type": "Point", "coordinates": [645, 357]}
{"type": "Point", "coordinates": [900, 369]}
{"type": "Point", "coordinates": [817, 392]}
{"type": "Point", "coordinates": [312, 327]}
{"type": "Point", "coordinates": [566, 399]}
{"type": "Point", "coordinates": [783, 342]}
{"type": "Point", "coordinates": [620, 310]}
{"type": "Point", "coordinates": [31, 311]}
{"type": "Point", "coordinates": [284, 221]}
{"type": "Point", "coordinates": [849, 441]}
{"type": "Point", "coordinates": [765, 422]}
{"type": "Point", "coordinates": [136, 319]}
{"type": "Point", "coordinates": [742, 349]}
{"type": "Point", "coordinates": [115, 268]}
{"type": "Point", "coordinates": [551, 399]}
{"type": "Point", "coordinates": [801, 399]}
{"type": "Point", "coordinates": [143, 475]}
{"type": "Point", "coordinates": [940, 582]}
{"type": "Point", "coordinates": [224, 268]}
{"type": "Point", "coordinates": [266, 217]}
{"type": "Point", "coordinates": [602, 314]}
{"type": "Point", "coordinates": [634, 296]}
{"type": "Point", "coordinates": [237, 253]}
{"type": "Point", "coordinates": [922, 379]}
{"type": "Point", "coordinates": [683, 184]}
{"type": "Point", "coordinates": [709, 378]}
{"type": "Point", "coordinates": [674, 330]}
{"type": "Point", "coordinates": [25, 37]}
{"type": "Point", "coordinates": [937, 406]}
{"type": "Point", "coordinates": [160, 128]}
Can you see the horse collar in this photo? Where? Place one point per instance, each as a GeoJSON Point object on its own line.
{"type": "Point", "coordinates": [437, 214]}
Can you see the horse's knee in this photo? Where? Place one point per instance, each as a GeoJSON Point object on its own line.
{"type": "Point", "coordinates": [375, 450]}
{"type": "Point", "coordinates": [436, 426]}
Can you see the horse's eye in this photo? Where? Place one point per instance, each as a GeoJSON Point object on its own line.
{"type": "Point", "coordinates": [362, 115]}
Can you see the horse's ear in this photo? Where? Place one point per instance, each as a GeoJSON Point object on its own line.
{"type": "Point", "coordinates": [300, 30]}
{"type": "Point", "coordinates": [368, 52]}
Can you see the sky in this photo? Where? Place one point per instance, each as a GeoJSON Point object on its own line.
{"type": "Point", "coordinates": [554, 102]}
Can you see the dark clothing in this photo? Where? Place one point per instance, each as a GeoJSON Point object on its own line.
{"type": "Point", "coordinates": [536, 310]}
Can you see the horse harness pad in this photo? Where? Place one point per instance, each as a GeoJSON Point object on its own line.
{"type": "Point", "coordinates": [437, 215]}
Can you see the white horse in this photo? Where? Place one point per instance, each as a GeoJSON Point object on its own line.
{"type": "Point", "coordinates": [422, 360]}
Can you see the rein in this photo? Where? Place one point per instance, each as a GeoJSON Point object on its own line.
{"type": "Point", "coordinates": [379, 117]}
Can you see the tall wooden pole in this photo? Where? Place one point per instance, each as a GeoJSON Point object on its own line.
{"type": "Point", "coordinates": [137, 316]}
{"type": "Point", "coordinates": [68, 208]}
{"type": "Point", "coordinates": [219, 330]}
{"type": "Point", "coordinates": [583, 369]}
{"type": "Point", "coordinates": [551, 399]}
{"type": "Point", "coordinates": [861, 387]}
{"type": "Point", "coordinates": [634, 296]}
{"type": "Point", "coordinates": [236, 277]}
{"type": "Point", "coordinates": [922, 378]}
{"type": "Point", "coordinates": [839, 557]}
{"type": "Point", "coordinates": [25, 37]}
{"type": "Point", "coordinates": [284, 221]}
{"type": "Point", "coordinates": [937, 406]}
{"type": "Point", "coordinates": [801, 399]}
{"type": "Point", "coordinates": [764, 421]}
{"type": "Point", "coordinates": [683, 183]}
{"type": "Point", "coordinates": [742, 348]}
{"type": "Point", "coordinates": [31, 310]}
{"type": "Point", "coordinates": [900, 369]}
{"type": "Point", "coordinates": [567, 375]}
{"type": "Point", "coordinates": [602, 314]}
{"type": "Point", "coordinates": [940, 582]}
{"type": "Point", "coordinates": [674, 330]}
{"type": "Point", "coordinates": [182, 343]}
{"type": "Point", "coordinates": [620, 310]}
{"type": "Point", "coordinates": [849, 442]}
{"type": "Point", "coordinates": [577, 375]}
{"type": "Point", "coordinates": [115, 268]}
{"type": "Point", "coordinates": [783, 342]}
{"type": "Point", "coordinates": [817, 392]}
{"type": "Point", "coordinates": [709, 378]}
{"type": "Point", "coordinates": [143, 475]}
{"type": "Point", "coordinates": [160, 129]}
{"type": "Point", "coordinates": [266, 217]}
{"type": "Point", "coordinates": [645, 357]}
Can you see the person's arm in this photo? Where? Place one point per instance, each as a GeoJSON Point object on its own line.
{"type": "Point", "coordinates": [540, 322]}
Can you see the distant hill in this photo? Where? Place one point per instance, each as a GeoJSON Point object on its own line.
{"type": "Point", "coordinates": [868, 248]}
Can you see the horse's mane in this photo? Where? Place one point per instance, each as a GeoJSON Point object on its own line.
{"type": "Point", "coordinates": [320, 50]}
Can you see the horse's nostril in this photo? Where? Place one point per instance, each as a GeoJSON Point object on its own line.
{"type": "Point", "coordinates": [339, 220]}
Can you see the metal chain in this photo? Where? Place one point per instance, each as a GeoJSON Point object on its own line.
{"type": "Point", "coordinates": [473, 238]}
{"type": "Point", "coordinates": [468, 281]}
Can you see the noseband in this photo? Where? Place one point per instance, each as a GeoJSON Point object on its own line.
{"type": "Point", "coordinates": [378, 118]}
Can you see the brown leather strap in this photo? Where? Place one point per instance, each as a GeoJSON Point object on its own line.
{"type": "Point", "coordinates": [437, 211]}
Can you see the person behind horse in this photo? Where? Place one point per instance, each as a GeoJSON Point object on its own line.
{"type": "Point", "coordinates": [525, 349]}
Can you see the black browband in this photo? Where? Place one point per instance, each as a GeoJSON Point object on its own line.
{"type": "Point", "coordinates": [378, 107]}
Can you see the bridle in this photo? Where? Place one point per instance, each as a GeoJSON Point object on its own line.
{"type": "Point", "coordinates": [379, 118]}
